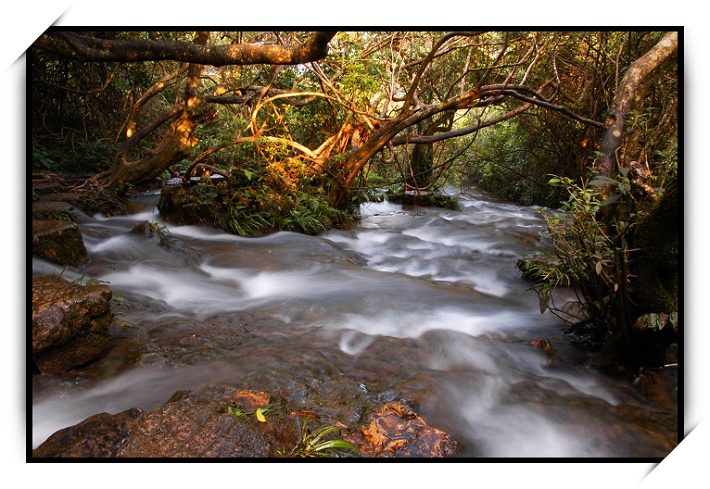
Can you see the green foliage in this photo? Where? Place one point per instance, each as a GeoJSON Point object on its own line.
{"type": "Point", "coordinates": [321, 443]}
{"type": "Point", "coordinates": [235, 411]}
{"type": "Point", "coordinates": [260, 413]}
{"type": "Point", "coordinates": [591, 254]}
{"type": "Point", "coordinates": [513, 158]}
{"type": "Point", "coordinates": [294, 211]}
{"type": "Point", "coordinates": [280, 197]}
{"type": "Point", "coordinates": [247, 223]}
{"type": "Point", "coordinates": [75, 156]}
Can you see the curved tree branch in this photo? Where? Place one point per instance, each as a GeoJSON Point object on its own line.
{"type": "Point", "coordinates": [425, 64]}
{"type": "Point", "coordinates": [400, 140]}
{"type": "Point", "coordinates": [87, 48]}
{"type": "Point", "coordinates": [624, 99]}
{"type": "Point", "coordinates": [548, 105]}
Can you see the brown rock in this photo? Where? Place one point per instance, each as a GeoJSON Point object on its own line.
{"type": "Point", "coordinates": [98, 436]}
{"type": "Point", "coordinates": [59, 241]}
{"type": "Point", "coordinates": [396, 431]}
{"type": "Point", "coordinates": [185, 426]}
{"type": "Point", "coordinates": [69, 323]}
{"type": "Point", "coordinates": [192, 427]}
{"type": "Point", "coordinates": [50, 209]}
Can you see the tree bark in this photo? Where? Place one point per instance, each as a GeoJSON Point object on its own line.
{"type": "Point", "coordinates": [92, 49]}
{"type": "Point", "coordinates": [178, 140]}
{"type": "Point", "coordinates": [176, 144]}
{"type": "Point", "coordinates": [624, 100]}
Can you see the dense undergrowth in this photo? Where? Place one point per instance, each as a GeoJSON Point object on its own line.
{"type": "Point", "coordinates": [600, 252]}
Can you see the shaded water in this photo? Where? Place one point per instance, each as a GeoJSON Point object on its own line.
{"type": "Point", "coordinates": [416, 304]}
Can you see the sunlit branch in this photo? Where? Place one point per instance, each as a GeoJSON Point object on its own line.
{"type": "Point", "coordinates": [94, 49]}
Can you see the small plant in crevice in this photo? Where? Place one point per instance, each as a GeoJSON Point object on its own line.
{"type": "Point", "coordinates": [321, 443]}
{"type": "Point", "coordinates": [259, 413]}
{"type": "Point", "coordinates": [116, 300]}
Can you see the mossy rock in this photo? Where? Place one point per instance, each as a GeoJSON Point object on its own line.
{"type": "Point", "coordinates": [425, 199]}
{"type": "Point", "coordinates": [52, 210]}
{"type": "Point", "coordinates": [656, 263]}
{"type": "Point", "coordinates": [58, 241]}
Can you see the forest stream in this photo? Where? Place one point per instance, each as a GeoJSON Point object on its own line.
{"type": "Point", "coordinates": [417, 304]}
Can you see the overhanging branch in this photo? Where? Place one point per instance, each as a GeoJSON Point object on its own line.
{"type": "Point", "coordinates": [87, 48]}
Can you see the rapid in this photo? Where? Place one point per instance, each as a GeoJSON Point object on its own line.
{"type": "Point", "coordinates": [422, 304]}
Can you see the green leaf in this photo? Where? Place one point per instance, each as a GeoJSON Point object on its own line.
{"type": "Point", "coordinates": [611, 200]}
{"type": "Point", "coordinates": [602, 180]}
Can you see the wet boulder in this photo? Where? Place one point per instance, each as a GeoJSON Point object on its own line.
{"type": "Point", "coordinates": [59, 241]}
{"type": "Point", "coordinates": [70, 323]}
{"type": "Point", "coordinates": [52, 210]}
{"type": "Point", "coordinates": [205, 201]}
{"type": "Point", "coordinates": [98, 436]}
{"type": "Point", "coordinates": [186, 426]}
{"type": "Point", "coordinates": [190, 426]}
{"type": "Point", "coordinates": [226, 425]}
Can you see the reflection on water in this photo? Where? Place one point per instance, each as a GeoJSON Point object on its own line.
{"type": "Point", "coordinates": [418, 303]}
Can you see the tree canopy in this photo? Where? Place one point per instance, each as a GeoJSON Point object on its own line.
{"type": "Point", "coordinates": [357, 109]}
{"type": "Point", "coordinates": [304, 126]}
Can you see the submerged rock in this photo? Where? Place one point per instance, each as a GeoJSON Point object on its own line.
{"type": "Point", "coordinates": [70, 323]}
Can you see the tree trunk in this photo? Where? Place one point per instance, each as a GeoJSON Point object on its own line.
{"type": "Point", "coordinates": [176, 144]}
{"type": "Point", "coordinates": [655, 270]}
{"type": "Point", "coordinates": [345, 173]}
{"type": "Point", "coordinates": [422, 162]}
{"type": "Point", "coordinates": [624, 101]}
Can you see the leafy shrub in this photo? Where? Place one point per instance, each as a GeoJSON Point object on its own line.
{"type": "Point", "coordinates": [591, 254]}
{"type": "Point", "coordinates": [72, 156]}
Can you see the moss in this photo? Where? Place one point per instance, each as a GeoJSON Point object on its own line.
{"type": "Point", "coordinates": [656, 264]}
{"type": "Point", "coordinates": [432, 199]}
{"type": "Point", "coordinates": [252, 209]}
{"type": "Point", "coordinates": [58, 241]}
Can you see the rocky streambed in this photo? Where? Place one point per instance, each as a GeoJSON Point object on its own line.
{"type": "Point", "coordinates": [411, 335]}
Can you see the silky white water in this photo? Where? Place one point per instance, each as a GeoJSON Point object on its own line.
{"type": "Point", "coordinates": [419, 303]}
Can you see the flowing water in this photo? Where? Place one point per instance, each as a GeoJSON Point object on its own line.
{"type": "Point", "coordinates": [415, 304]}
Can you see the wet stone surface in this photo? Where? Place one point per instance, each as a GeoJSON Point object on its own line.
{"type": "Point", "coordinates": [204, 426]}
{"type": "Point", "coordinates": [70, 323]}
{"type": "Point", "coordinates": [418, 308]}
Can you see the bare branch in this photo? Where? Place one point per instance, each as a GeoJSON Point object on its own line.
{"type": "Point", "coordinates": [409, 139]}
{"type": "Point", "coordinates": [93, 49]}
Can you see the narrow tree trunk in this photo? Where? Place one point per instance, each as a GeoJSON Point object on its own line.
{"type": "Point", "coordinates": [421, 166]}
{"type": "Point", "coordinates": [624, 99]}
{"type": "Point", "coordinates": [176, 144]}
